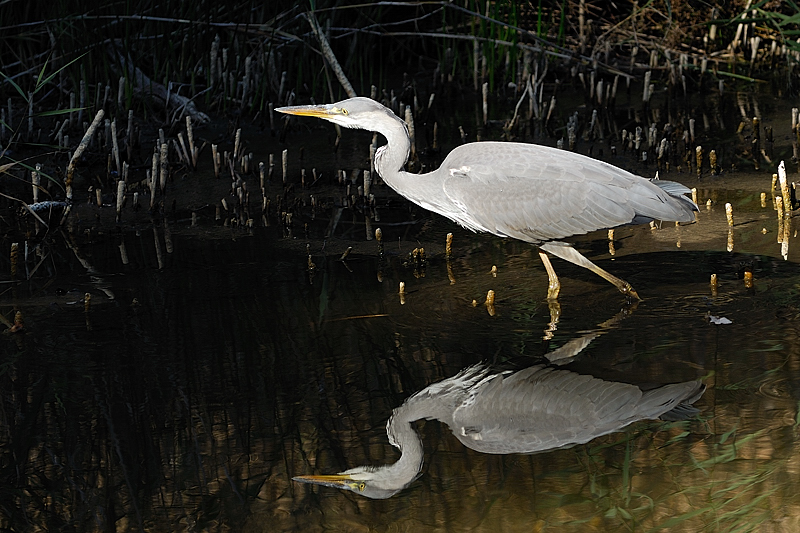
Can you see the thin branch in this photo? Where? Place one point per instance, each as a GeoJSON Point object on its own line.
{"type": "Point", "coordinates": [87, 138]}
{"type": "Point", "coordinates": [26, 206]}
{"type": "Point", "coordinates": [329, 56]}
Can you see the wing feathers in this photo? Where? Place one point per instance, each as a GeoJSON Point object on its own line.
{"type": "Point", "coordinates": [542, 408]}
{"type": "Point", "coordinates": [536, 193]}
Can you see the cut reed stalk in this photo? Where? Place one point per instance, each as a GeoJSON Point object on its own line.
{"type": "Point", "coordinates": [216, 159]}
{"type": "Point", "coordinates": [699, 157]}
{"type": "Point", "coordinates": [115, 145]}
{"type": "Point", "coordinates": [129, 138]}
{"type": "Point", "coordinates": [193, 150]}
{"type": "Point", "coordinates": [409, 118]}
{"type": "Point", "coordinates": [120, 198]}
{"type": "Point", "coordinates": [87, 138]}
{"type": "Point", "coordinates": [153, 177]}
{"type": "Point", "coordinates": [14, 259]}
{"type": "Point", "coordinates": [787, 198]}
{"type": "Point", "coordinates": [163, 164]}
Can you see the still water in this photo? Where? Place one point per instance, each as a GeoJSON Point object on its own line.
{"type": "Point", "coordinates": [188, 396]}
{"type": "Point", "coordinates": [213, 364]}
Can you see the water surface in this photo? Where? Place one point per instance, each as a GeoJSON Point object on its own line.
{"type": "Point", "coordinates": [202, 377]}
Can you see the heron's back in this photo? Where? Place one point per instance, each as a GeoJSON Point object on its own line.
{"type": "Point", "coordinates": [537, 193]}
{"type": "Point", "coordinates": [541, 408]}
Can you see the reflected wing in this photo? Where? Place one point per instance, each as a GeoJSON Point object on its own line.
{"type": "Point", "coordinates": [536, 193]}
{"type": "Point", "coordinates": [541, 408]}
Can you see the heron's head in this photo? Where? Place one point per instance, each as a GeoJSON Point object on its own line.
{"type": "Point", "coordinates": [361, 113]}
{"type": "Point", "coordinates": [377, 483]}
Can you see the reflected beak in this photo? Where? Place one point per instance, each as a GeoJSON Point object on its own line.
{"type": "Point", "coordinates": [320, 111]}
{"type": "Point", "coordinates": [339, 481]}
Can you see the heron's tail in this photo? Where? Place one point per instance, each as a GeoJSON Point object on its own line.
{"type": "Point", "coordinates": [673, 188]}
{"type": "Point", "coordinates": [679, 192]}
{"type": "Point", "coordinates": [671, 402]}
{"type": "Point", "coordinates": [666, 201]}
{"type": "Point", "coordinates": [685, 410]}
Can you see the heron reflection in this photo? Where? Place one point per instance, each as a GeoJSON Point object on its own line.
{"type": "Point", "coordinates": [532, 410]}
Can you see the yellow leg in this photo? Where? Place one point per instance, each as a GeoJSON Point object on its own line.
{"type": "Point", "coordinates": [554, 286]}
{"type": "Point", "coordinates": [568, 253]}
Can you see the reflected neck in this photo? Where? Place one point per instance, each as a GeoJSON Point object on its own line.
{"type": "Point", "coordinates": [404, 437]}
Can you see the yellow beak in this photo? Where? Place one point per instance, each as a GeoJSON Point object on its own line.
{"type": "Point", "coordinates": [320, 111]}
{"type": "Point", "coordinates": [339, 481]}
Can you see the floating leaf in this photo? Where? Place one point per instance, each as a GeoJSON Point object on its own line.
{"type": "Point", "coordinates": [719, 320]}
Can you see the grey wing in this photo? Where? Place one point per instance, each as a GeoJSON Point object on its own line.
{"type": "Point", "coordinates": [536, 193]}
{"type": "Point", "coordinates": [540, 408]}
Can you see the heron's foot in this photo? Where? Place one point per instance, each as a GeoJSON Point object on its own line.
{"type": "Point", "coordinates": [626, 289]}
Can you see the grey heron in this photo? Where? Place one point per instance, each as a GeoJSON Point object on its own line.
{"type": "Point", "coordinates": [532, 410]}
{"type": "Point", "coordinates": [529, 192]}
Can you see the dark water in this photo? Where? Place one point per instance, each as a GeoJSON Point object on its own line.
{"type": "Point", "coordinates": [213, 365]}
{"type": "Point", "coordinates": [190, 399]}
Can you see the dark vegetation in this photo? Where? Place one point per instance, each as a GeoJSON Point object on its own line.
{"type": "Point", "coordinates": [226, 65]}
{"type": "Point", "coordinates": [63, 61]}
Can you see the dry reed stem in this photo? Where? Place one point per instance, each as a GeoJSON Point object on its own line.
{"type": "Point", "coordinates": [190, 135]}
{"type": "Point", "coordinates": [163, 166]}
{"type": "Point", "coordinates": [784, 183]}
{"type": "Point", "coordinates": [87, 138]}
{"type": "Point", "coordinates": [330, 56]}
{"type": "Point", "coordinates": [144, 85]}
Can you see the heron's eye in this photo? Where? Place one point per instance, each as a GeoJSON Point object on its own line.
{"type": "Point", "coordinates": [344, 111]}
{"type": "Point", "coordinates": [362, 486]}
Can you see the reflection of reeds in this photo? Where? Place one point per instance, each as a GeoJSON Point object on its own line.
{"type": "Point", "coordinates": [713, 487]}
{"type": "Point", "coordinates": [169, 409]}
